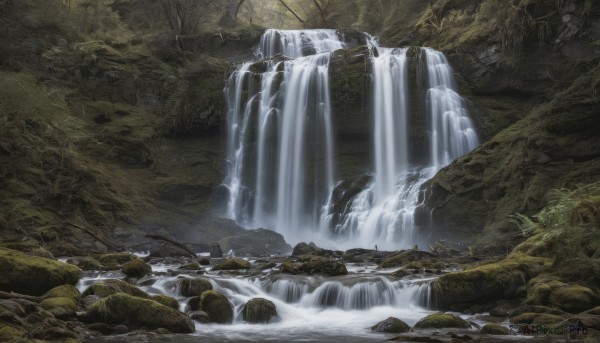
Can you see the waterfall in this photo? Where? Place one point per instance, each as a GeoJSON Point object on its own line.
{"type": "Point", "coordinates": [280, 146]}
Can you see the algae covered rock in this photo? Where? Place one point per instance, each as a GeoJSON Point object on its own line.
{"type": "Point", "coordinates": [136, 312]}
{"type": "Point", "coordinates": [259, 310]}
{"type": "Point", "coordinates": [311, 264]}
{"type": "Point", "coordinates": [26, 274]}
{"type": "Point", "coordinates": [194, 287]}
{"type": "Point", "coordinates": [60, 307]}
{"type": "Point", "coordinates": [109, 287]}
{"type": "Point", "coordinates": [574, 298]}
{"type": "Point", "coordinates": [233, 264]}
{"type": "Point", "coordinates": [494, 329]}
{"type": "Point", "coordinates": [442, 320]}
{"type": "Point", "coordinates": [391, 325]}
{"type": "Point", "coordinates": [166, 300]}
{"type": "Point", "coordinates": [217, 307]}
{"type": "Point", "coordinates": [116, 258]}
{"type": "Point", "coordinates": [66, 291]}
{"type": "Point", "coordinates": [85, 262]}
{"type": "Point", "coordinates": [136, 268]}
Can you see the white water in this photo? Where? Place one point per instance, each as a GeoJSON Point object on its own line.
{"type": "Point", "coordinates": [280, 142]}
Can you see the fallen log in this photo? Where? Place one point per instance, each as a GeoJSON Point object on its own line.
{"type": "Point", "coordinates": [175, 243]}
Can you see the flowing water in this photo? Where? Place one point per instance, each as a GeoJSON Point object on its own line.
{"type": "Point", "coordinates": [281, 166]}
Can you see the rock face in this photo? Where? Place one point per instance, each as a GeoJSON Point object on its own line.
{"type": "Point", "coordinates": [259, 310]}
{"type": "Point", "coordinates": [136, 312]}
{"type": "Point", "coordinates": [26, 274]}
{"type": "Point", "coordinates": [217, 307]}
{"type": "Point", "coordinates": [391, 325]}
{"type": "Point", "coordinates": [233, 264]}
{"type": "Point", "coordinates": [442, 320]}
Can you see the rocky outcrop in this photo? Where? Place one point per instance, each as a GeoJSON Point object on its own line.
{"type": "Point", "coordinates": [259, 310]}
{"type": "Point", "coordinates": [26, 274]}
{"type": "Point", "coordinates": [137, 312]}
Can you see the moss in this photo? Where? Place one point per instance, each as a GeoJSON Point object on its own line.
{"type": "Point", "coordinates": [167, 301]}
{"type": "Point", "coordinates": [85, 263]}
{"type": "Point", "coordinates": [60, 307]}
{"type": "Point", "coordinates": [483, 283]}
{"type": "Point", "coordinates": [139, 313]}
{"type": "Point", "coordinates": [233, 264]}
{"type": "Point", "coordinates": [110, 287]}
{"type": "Point", "coordinates": [441, 320]}
{"type": "Point", "coordinates": [391, 325]}
{"type": "Point", "coordinates": [116, 259]}
{"type": "Point", "coordinates": [194, 287]}
{"type": "Point", "coordinates": [136, 268]}
{"type": "Point", "coordinates": [191, 266]}
{"type": "Point", "coordinates": [8, 332]}
{"type": "Point", "coordinates": [415, 258]}
{"type": "Point", "coordinates": [494, 329]}
{"type": "Point", "coordinates": [258, 310]}
{"type": "Point", "coordinates": [217, 306]}
{"type": "Point", "coordinates": [573, 298]}
{"type": "Point", "coordinates": [536, 318]}
{"type": "Point", "coordinates": [66, 291]}
{"type": "Point", "coordinates": [26, 274]}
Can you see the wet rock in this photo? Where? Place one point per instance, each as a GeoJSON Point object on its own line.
{"type": "Point", "coordinates": [193, 304]}
{"type": "Point", "coordinates": [109, 287]}
{"type": "Point", "coordinates": [305, 249]}
{"type": "Point", "coordinates": [391, 325]}
{"type": "Point", "coordinates": [116, 259]}
{"type": "Point", "coordinates": [60, 307]}
{"type": "Point", "coordinates": [204, 261]}
{"type": "Point", "coordinates": [536, 318]}
{"type": "Point", "coordinates": [258, 242]}
{"type": "Point", "coordinates": [233, 264]}
{"type": "Point", "coordinates": [442, 320]}
{"type": "Point", "coordinates": [194, 287]}
{"type": "Point", "coordinates": [405, 257]}
{"type": "Point", "coordinates": [259, 310]}
{"type": "Point", "coordinates": [89, 300]}
{"type": "Point", "coordinates": [310, 264]}
{"type": "Point", "coordinates": [216, 251]}
{"type": "Point", "coordinates": [166, 300]}
{"type": "Point", "coordinates": [136, 312]}
{"type": "Point", "coordinates": [107, 329]}
{"type": "Point", "coordinates": [199, 316]}
{"type": "Point", "coordinates": [13, 306]}
{"type": "Point", "coordinates": [26, 274]}
{"type": "Point", "coordinates": [10, 332]}
{"type": "Point", "coordinates": [85, 262]}
{"type": "Point", "coordinates": [494, 329]}
{"type": "Point", "coordinates": [136, 268]}
{"type": "Point", "coordinates": [66, 291]}
{"type": "Point", "coordinates": [217, 306]}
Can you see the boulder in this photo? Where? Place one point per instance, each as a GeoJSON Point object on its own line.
{"type": "Point", "coordinates": [85, 262]}
{"type": "Point", "coordinates": [494, 329]}
{"type": "Point", "coordinates": [116, 258]}
{"type": "Point", "coordinates": [109, 287]}
{"type": "Point", "coordinates": [136, 268]}
{"type": "Point", "coordinates": [217, 307]}
{"type": "Point", "coordinates": [311, 264]}
{"type": "Point", "coordinates": [60, 307]}
{"type": "Point", "coordinates": [442, 320]}
{"type": "Point", "coordinates": [193, 287]}
{"type": "Point", "coordinates": [26, 274]}
{"type": "Point", "coordinates": [233, 264]}
{"type": "Point", "coordinates": [391, 325]}
{"type": "Point", "coordinates": [257, 242]}
{"type": "Point", "coordinates": [406, 257]}
{"type": "Point", "coordinates": [89, 300]}
{"type": "Point", "coordinates": [304, 249]}
{"type": "Point", "coordinates": [166, 300]}
{"type": "Point", "coordinates": [216, 251]}
{"type": "Point", "coordinates": [574, 298]}
{"type": "Point", "coordinates": [199, 316]}
{"type": "Point", "coordinates": [259, 310]}
{"type": "Point", "coordinates": [66, 291]}
{"type": "Point", "coordinates": [136, 312]}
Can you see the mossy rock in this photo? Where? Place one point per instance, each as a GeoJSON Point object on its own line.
{"type": "Point", "coordinates": [199, 316]}
{"type": "Point", "coordinates": [60, 307]}
{"type": "Point", "coordinates": [110, 287]}
{"type": "Point", "coordinates": [10, 332]}
{"type": "Point", "coordinates": [259, 310]}
{"type": "Point", "coordinates": [26, 274]}
{"type": "Point", "coordinates": [484, 283]}
{"type": "Point", "coordinates": [66, 291]}
{"type": "Point", "coordinates": [85, 262]}
{"type": "Point", "coordinates": [322, 265]}
{"type": "Point", "coordinates": [291, 267]}
{"type": "Point", "coordinates": [233, 264]}
{"type": "Point", "coordinates": [573, 298]}
{"type": "Point", "coordinates": [391, 325]}
{"type": "Point", "coordinates": [494, 329]}
{"type": "Point", "coordinates": [193, 287]}
{"type": "Point", "coordinates": [442, 320]}
{"type": "Point", "coordinates": [536, 318]}
{"type": "Point", "coordinates": [136, 312]}
{"type": "Point", "coordinates": [204, 261]}
{"type": "Point", "coordinates": [167, 301]}
{"type": "Point", "coordinates": [116, 259]}
{"type": "Point", "coordinates": [190, 266]}
{"type": "Point", "coordinates": [217, 306]}
{"type": "Point", "coordinates": [406, 257]}
{"type": "Point", "coordinates": [136, 268]}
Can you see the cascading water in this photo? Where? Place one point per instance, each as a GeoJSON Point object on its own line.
{"type": "Point", "coordinates": [280, 145]}
{"type": "Point", "coordinates": [280, 140]}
